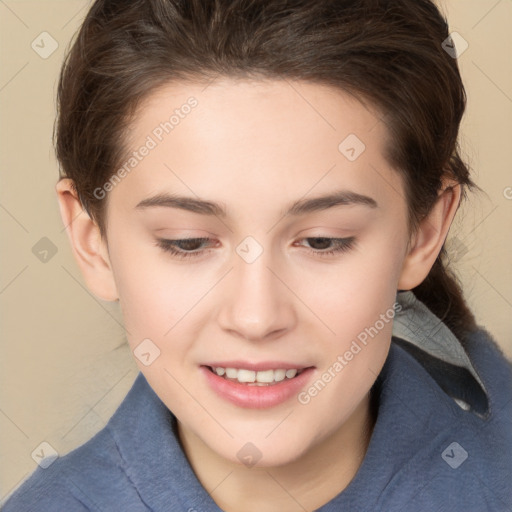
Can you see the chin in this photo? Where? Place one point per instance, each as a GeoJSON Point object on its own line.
{"type": "Point", "coordinates": [264, 453]}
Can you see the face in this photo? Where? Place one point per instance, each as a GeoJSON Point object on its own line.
{"type": "Point", "coordinates": [274, 277]}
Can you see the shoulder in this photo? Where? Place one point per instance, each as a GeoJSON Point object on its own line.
{"type": "Point", "coordinates": [495, 370]}
{"type": "Point", "coordinates": [133, 464]}
{"type": "Point", "coordinates": [75, 481]}
{"type": "Point", "coordinates": [477, 449]}
{"type": "Point", "coordinates": [459, 457]}
{"type": "Point", "coordinates": [490, 362]}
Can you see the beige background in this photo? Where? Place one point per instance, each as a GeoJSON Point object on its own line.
{"type": "Point", "coordinates": [65, 365]}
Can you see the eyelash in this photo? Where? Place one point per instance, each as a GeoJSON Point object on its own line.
{"type": "Point", "coordinates": [342, 245]}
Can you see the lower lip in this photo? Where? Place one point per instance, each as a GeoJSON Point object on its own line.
{"type": "Point", "coordinates": [256, 397]}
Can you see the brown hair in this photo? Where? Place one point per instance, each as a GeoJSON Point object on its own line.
{"type": "Point", "coordinates": [387, 53]}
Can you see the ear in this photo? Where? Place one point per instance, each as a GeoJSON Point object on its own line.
{"type": "Point", "coordinates": [429, 238]}
{"type": "Point", "coordinates": [89, 249]}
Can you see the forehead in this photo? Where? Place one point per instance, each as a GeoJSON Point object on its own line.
{"type": "Point", "coordinates": [227, 103]}
{"type": "Point", "coordinates": [272, 138]}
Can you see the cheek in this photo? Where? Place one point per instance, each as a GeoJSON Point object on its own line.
{"type": "Point", "coordinates": [153, 296]}
{"type": "Point", "coordinates": [353, 295]}
{"type": "Point", "coordinates": [355, 301]}
{"type": "Point", "coordinates": [356, 304]}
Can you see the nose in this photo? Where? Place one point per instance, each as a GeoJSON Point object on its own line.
{"type": "Point", "coordinates": [257, 305]}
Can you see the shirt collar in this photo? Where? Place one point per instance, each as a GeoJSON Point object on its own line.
{"type": "Point", "coordinates": [432, 343]}
{"type": "Point", "coordinates": [145, 433]}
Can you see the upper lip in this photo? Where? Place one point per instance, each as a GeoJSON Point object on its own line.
{"type": "Point", "coordinates": [262, 366]}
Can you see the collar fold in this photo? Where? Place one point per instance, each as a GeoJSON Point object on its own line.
{"type": "Point", "coordinates": [421, 333]}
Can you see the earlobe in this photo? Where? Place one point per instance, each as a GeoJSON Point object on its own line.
{"type": "Point", "coordinates": [89, 249]}
{"type": "Point", "coordinates": [429, 237]}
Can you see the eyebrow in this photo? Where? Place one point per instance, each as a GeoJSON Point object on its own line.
{"type": "Point", "coordinates": [300, 207]}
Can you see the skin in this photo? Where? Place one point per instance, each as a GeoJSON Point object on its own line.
{"type": "Point", "coordinates": [256, 147]}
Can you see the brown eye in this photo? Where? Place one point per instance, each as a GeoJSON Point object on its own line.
{"type": "Point", "coordinates": [184, 247]}
{"type": "Point", "coordinates": [320, 245]}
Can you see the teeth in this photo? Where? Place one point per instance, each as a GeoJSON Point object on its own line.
{"type": "Point", "coordinates": [246, 376]}
{"type": "Point", "coordinates": [251, 376]}
{"type": "Point", "coordinates": [279, 375]}
{"type": "Point", "coordinates": [265, 376]}
{"type": "Point", "coordinates": [231, 373]}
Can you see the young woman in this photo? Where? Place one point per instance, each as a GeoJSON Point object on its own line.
{"type": "Point", "coordinates": [266, 187]}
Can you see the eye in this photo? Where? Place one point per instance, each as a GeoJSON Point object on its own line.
{"type": "Point", "coordinates": [337, 245]}
{"type": "Point", "coordinates": [192, 247]}
{"type": "Point", "coordinates": [184, 247]}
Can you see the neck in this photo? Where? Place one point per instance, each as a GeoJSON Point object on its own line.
{"type": "Point", "coordinates": [306, 483]}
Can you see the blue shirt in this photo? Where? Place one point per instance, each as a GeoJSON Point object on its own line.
{"type": "Point", "coordinates": [442, 440]}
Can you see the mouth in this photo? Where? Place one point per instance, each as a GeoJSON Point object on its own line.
{"type": "Point", "coordinates": [256, 386]}
{"type": "Point", "coordinates": [267, 377]}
